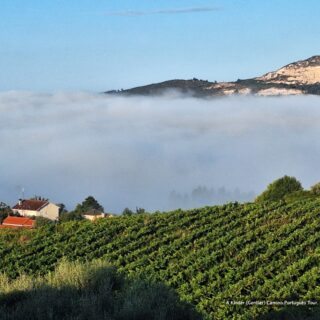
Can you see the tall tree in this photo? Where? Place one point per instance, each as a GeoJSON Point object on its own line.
{"type": "Point", "coordinates": [5, 211]}
{"type": "Point", "coordinates": [89, 204]}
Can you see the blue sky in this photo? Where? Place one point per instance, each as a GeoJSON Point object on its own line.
{"type": "Point", "coordinates": [100, 45]}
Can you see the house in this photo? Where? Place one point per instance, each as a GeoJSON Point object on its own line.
{"type": "Point", "coordinates": [95, 214]}
{"type": "Point", "coordinates": [37, 208]}
{"type": "Point", "coordinates": [17, 222]}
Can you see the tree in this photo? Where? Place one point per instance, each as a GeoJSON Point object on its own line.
{"type": "Point", "coordinates": [89, 204]}
{"type": "Point", "coordinates": [315, 189]}
{"type": "Point", "coordinates": [62, 208]}
{"type": "Point", "coordinates": [71, 216]}
{"type": "Point", "coordinates": [140, 210]}
{"type": "Point", "coordinates": [280, 188]}
{"type": "Point", "coordinates": [5, 211]}
{"type": "Point", "coordinates": [127, 212]}
{"type": "Point", "coordinates": [42, 221]}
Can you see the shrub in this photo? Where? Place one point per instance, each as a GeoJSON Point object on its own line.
{"type": "Point", "coordinates": [70, 216]}
{"type": "Point", "coordinates": [4, 211]}
{"type": "Point", "coordinates": [315, 189]}
{"type": "Point", "coordinates": [89, 291]}
{"type": "Point", "coordinates": [298, 195]}
{"type": "Point", "coordinates": [127, 212]}
{"type": "Point", "coordinates": [42, 221]}
{"type": "Point", "coordinates": [280, 188]}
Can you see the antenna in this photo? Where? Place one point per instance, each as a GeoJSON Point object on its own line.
{"type": "Point", "coordinates": [22, 193]}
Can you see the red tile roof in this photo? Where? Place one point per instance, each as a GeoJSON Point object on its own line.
{"type": "Point", "coordinates": [16, 222]}
{"type": "Point", "coordinates": [34, 205]}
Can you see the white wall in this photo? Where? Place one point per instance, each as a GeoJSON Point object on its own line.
{"type": "Point", "coordinates": [50, 211]}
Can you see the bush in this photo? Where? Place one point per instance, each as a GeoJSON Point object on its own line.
{"type": "Point", "coordinates": [92, 291]}
{"type": "Point", "coordinates": [42, 221]}
{"type": "Point", "coordinates": [280, 188]}
{"type": "Point", "coordinates": [4, 211]}
{"type": "Point", "coordinates": [127, 212]}
{"type": "Point", "coordinates": [70, 216]}
{"type": "Point", "coordinates": [298, 195]}
{"type": "Point", "coordinates": [315, 189]}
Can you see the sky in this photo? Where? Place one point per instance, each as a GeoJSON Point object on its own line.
{"type": "Point", "coordinates": [63, 140]}
{"type": "Point", "coordinates": [99, 45]}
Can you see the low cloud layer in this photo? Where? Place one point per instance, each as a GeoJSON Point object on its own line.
{"type": "Point", "coordinates": [130, 152]}
{"type": "Point", "coordinates": [135, 13]}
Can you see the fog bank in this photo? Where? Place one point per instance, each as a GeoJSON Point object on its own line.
{"type": "Point", "coordinates": [130, 152]}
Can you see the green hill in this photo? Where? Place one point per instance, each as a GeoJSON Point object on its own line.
{"type": "Point", "coordinates": [236, 261]}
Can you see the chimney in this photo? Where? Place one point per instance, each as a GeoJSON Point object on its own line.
{"type": "Point", "coordinates": [20, 202]}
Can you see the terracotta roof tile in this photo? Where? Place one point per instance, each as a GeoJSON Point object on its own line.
{"type": "Point", "coordinates": [18, 222]}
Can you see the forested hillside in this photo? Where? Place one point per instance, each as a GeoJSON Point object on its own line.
{"type": "Point", "coordinates": [228, 261]}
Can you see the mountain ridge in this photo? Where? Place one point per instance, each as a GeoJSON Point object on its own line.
{"type": "Point", "coordinates": [296, 78]}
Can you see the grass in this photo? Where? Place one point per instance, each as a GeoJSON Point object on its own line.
{"type": "Point", "coordinates": [88, 291]}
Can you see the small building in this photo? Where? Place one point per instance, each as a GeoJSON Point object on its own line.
{"type": "Point", "coordinates": [95, 214]}
{"type": "Point", "coordinates": [17, 222]}
{"type": "Point", "coordinates": [37, 208]}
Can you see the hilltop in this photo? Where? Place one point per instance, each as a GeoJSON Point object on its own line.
{"type": "Point", "coordinates": [301, 77]}
{"type": "Point", "coordinates": [235, 261]}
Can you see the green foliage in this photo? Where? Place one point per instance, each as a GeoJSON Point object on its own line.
{"type": "Point", "coordinates": [298, 195]}
{"type": "Point", "coordinates": [42, 221]}
{"type": "Point", "coordinates": [209, 256]}
{"type": "Point", "coordinates": [71, 216]}
{"type": "Point", "coordinates": [5, 211]}
{"type": "Point", "coordinates": [89, 291]}
{"type": "Point", "coordinates": [315, 189]}
{"type": "Point", "coordinates": [3, 215]}
{"type": "Point", "coordinates": [140, 211]}
{"type": "Point", "coordinates": [280, 188]}
{"type": "Point", "coordinates": [62, 208]}
{"type": "Point", "coordinates": [89, 204]}
{"type": "Point", "coordinates": [127, 212]}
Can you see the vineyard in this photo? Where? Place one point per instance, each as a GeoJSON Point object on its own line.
{"type": "Point", "coordinates": [236, 261]}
